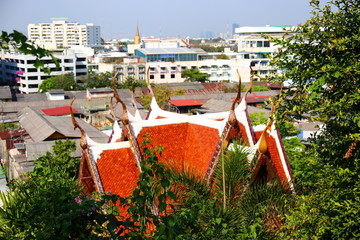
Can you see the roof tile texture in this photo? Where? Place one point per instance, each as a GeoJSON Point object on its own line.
{"type": "Point", "coordinates": [187, 146]}
{"type": "Point", "coordinates": [119, 171]}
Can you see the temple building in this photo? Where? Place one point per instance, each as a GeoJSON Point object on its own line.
{"type": "Point", "coordinates": [191, 142]}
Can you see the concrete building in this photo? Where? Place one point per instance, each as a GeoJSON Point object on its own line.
{"type": "Point", "coordinates": [254, 49]}
{"type": "Point", "coordinates": [18, 69]}
{"type": "Point", "coordinates": [61, 34]}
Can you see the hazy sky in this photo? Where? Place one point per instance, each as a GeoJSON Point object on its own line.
{"type": "Point", "coordinates": [159, 18]}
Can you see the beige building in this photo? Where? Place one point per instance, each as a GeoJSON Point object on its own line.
{"type": "Point", "coordinates": [61, 34]}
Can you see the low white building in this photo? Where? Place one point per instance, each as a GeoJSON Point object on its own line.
{"type": "Point", "coordinates": [19, 68]}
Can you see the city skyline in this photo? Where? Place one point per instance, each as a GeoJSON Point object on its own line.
{"type": "Point", "coordinates": [156, 18]}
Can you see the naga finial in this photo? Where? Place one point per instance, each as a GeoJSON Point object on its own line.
{"type": "Point", "coordinates": [148, 82]}
{"type": "Point", "coordinates": [124, 117]}
{"type": "Point", "coordinates": [251, 83]}
{"type": "Point", "coordinates": [232, 116]}
{"type": "Point", "coordinates": [83, 142]}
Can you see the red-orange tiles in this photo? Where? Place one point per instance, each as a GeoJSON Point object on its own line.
{"type": "Point", "coordinates": [187, 146]}
{"type": "Point", "coordinates": [275, 157]}
{"type": "Point", "coordinates": [118, 171]}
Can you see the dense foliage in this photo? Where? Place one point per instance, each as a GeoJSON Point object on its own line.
{"type": "Point", "coordinates": [194, 75]}
{"type": "Point", "coordinates": [162, 94]}
{"type": "Point", "coordinates": [321, 59]}
{"type": "Point", "coordinates": [46, 204]}
{"type": "Point", "coordinates": [65, 81]}
{"type": "Point", "coordinates": [18, 41]}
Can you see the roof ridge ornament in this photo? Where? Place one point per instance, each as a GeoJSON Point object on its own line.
{"type": "Point", "coordinates": [148, 83]}
{"type": "Point", "coordinates": [83, 142]}
{"type": "Point", "coordinates": [86, 158]}
{"type": "Point", "coordinates": [124, 117]}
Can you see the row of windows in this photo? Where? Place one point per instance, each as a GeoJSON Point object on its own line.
{"type": "Point", "coordinates": [171, 57]}
{"type": "Point", "coordinates": [255, 43]}
{"type": "Point", "coordinates": [162, 76]}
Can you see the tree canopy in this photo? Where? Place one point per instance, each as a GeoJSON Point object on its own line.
{"type": "Point", "coordinates": [321, 59]}
{"type": "Point", "coordinates": [194, 75]}
{"type": "Point", "coordinates": [19, 41]}
{"type": "Point", "coordinates": [64, 81]}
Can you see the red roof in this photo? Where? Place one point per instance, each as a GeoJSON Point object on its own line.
{"type": "Point", "coordinates": [58, 111]}
{"type": "Point", "coordinates": [118, 171]}
{"type": "Point", "coordinates": [190, 102]}
{"type": "Point", "coordinates": [186, 146]}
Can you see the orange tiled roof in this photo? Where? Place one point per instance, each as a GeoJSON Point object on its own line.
{"type": "Point", "coordinates": [118, 171]}
{"type": "Point", "coordinates": [275, 158]}
{"type": "Point", "coordinates": [187, 146]}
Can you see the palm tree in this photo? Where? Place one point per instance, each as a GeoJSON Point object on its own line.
{"type": "Point", "coordinates": [231, 206]}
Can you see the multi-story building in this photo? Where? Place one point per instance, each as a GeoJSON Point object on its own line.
{"type": "Point", "coordinates": [254, 50]}
{"type": "Point", "coordinates": [61, 34]}
{"type": "Point", "coordinates": [166, 64]}
{"type": "Point", "coordinates": [19, 68]}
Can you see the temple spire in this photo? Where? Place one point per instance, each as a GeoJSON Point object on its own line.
{"type": "Point", "coordinates": [137, 39]}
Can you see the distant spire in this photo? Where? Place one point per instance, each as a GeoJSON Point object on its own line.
{"type": "Point", "coordinates": [137, 35]}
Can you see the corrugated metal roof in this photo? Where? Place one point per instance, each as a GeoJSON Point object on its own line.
{"type": "Point", "coordinates": [5, 92]}
{"type": "Point", "coordinates": [65, 110]}
{"type": "Point", "coordinates": [188, 102]}
{"type": "Point", "coordinates": [41, 127]}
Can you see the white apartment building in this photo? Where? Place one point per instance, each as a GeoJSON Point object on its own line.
{"type": "Point", "coordinates": [19, 68]}
{"type": "Point", "coordinates": [62, 34]}
{"type": "Point", "coordinates": [254, 50]}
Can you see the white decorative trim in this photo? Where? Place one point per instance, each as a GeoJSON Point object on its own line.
{"type": "Point", "coordinates": [96, 149]}
{"type": "Point", "coordinates": [241, 116]}
{"type": "Point", "coordinates": [117, 132]}
{"type": "Point", "coordinates": [275, 135]}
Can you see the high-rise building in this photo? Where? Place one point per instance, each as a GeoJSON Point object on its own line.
{"type": "Point", "coordinates": [61, 33]}
{"type": "Point", "coordinates": [234, 26]}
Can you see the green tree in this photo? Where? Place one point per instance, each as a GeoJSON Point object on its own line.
{"type": "Point", "coordinates": [222, 56]}
{"type": "Point", "coordinates": [162, 96]}
{"type": "Point", "coordinates": [322, 61]}
{"type": "Point", "coordinates": [64, 81]}
{"type": "Point", "coordinates": [132, 83]}
{"type": "Point", "coordinates": [97, 80]}
{"type": "Point", "coordinates": [19, 42]}
{"type": "Point", "coordinates": [194, 75]}
{"type": "Point", "coordinates": [46, 205]}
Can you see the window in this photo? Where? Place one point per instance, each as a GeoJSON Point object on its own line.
{"type": "Point", "coordinates": [119, 69]}
{"type": "Point", "coordinates": [183, 67]}
{"type": "Point", "coordinates": [266, 44]}
{"type": "Point", "coordinates": [152, 69]}
{"type": "Point", "coordinates": [259, 43]}
{"type": "Point", "coordinates": [152, 77]}
{"type": "Point", "coordinates": [172, 75]}
{"type": "Point", "coordinates": [130, 69]}
{"type": "Point", "coordinates": [262, 72]}
{"type": "Point", "coordinates": [173, 68]}
{"type": "Point", "coordinates": [33, 78]}
{"type": "Point", "coordinates": [32, 70]}
{"type": "Point", "coordinates": [163, 69]}
{"type": "Point", "coordinates": [162, 76]}
{"type": "Point", "coordinates": [253, 64]}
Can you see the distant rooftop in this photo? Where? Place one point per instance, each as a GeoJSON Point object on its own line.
{"type": "Point", "coordinates": [180, 50]}
{"type": "Point", "coordinates": [265, 29]}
